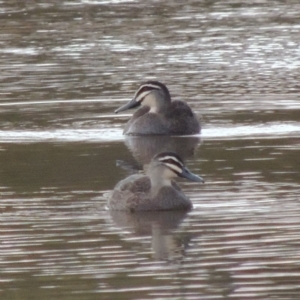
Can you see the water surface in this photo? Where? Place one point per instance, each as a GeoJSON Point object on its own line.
{"type": "Point", "coordinates": [66, 66]}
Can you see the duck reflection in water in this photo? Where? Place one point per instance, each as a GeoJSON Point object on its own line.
{"type": "Point", "coordinates": [167, 243]}
{"type": "Point", "coordinates": [144, 148]}
{"type": "Point", "coordinates": [156, 190]}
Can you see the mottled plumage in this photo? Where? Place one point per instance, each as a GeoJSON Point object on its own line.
{"type": "Point", "coordinates": [156, 190]}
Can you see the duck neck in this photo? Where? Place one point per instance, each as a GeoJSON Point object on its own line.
{"type": "Point", "coordinates": [157, 101]}
{"type": "Point", "coordinates": [162, 103]}
{"type": "Point", "coordinates": [157, 180]}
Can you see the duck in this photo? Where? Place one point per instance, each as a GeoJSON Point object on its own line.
{"type": "Point", "coordinates": [156, 190]}
{"type": "Point", "coordinates": [158, 114]}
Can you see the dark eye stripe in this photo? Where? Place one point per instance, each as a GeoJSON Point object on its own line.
{"type": "Point", "coordinates": [172, 162]}
{"type": "Point", "coordinates": [170, 159]}
{"type": "Point", "coordinates": [147, 87]}
{"type": "Point", "coordinates": [174, 168]}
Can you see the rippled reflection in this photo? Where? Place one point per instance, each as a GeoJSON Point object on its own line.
{"type": "Point", "coordinates": [159, 226]}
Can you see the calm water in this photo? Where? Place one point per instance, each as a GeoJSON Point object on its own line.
{"type": "Point", "coordinates": [65, 66]}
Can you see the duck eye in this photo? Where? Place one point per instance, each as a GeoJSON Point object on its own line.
{"type": "Point", "coordinates": [145, 89]}
{"type": "Point", "coordinates": [169, 161]}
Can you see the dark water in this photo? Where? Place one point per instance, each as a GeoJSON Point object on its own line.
{"type": "Point", "coordinates": [65, 66]}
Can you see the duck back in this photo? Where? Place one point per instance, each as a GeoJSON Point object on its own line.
{"type": "Point", "coordinates": [181, 119]}
{"type": "Point", "coordinates": [177, 120]}
{"type": "Point", "coordinates": [134, 194]}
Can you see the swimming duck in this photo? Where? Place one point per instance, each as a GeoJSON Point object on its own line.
{"type": "Point", "coordinates": [158, 113]}
{"type": "Point", "coordinates": [156, 190]}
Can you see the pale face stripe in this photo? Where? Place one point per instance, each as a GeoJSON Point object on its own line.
{"type": "Point", "coordinates": [154, 86]}
{"type": "Point", "coordinates": [140, 97]}
{"type": "Point", "coordinates": [172, 158]}
{"type": "Point", "coordinates": [174, 168]}
{"type": "Point", "coordinates": [144, 94]}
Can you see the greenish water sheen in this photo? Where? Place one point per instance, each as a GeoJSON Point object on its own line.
{"type": "Point", "coordinates": [65, 66]}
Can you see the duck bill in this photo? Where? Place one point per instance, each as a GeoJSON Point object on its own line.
{"type": "Point", "coordinates": [131, 104]}
{"type": "Point", "coordinates": [186, 173]}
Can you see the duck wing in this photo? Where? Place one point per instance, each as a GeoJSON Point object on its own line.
{"type": "Point", "coordinates": [134, 184]}
{"type": "Point", "coordinates": [129, 193]}
{"type": "Point", "coordinates": [181, 119]}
